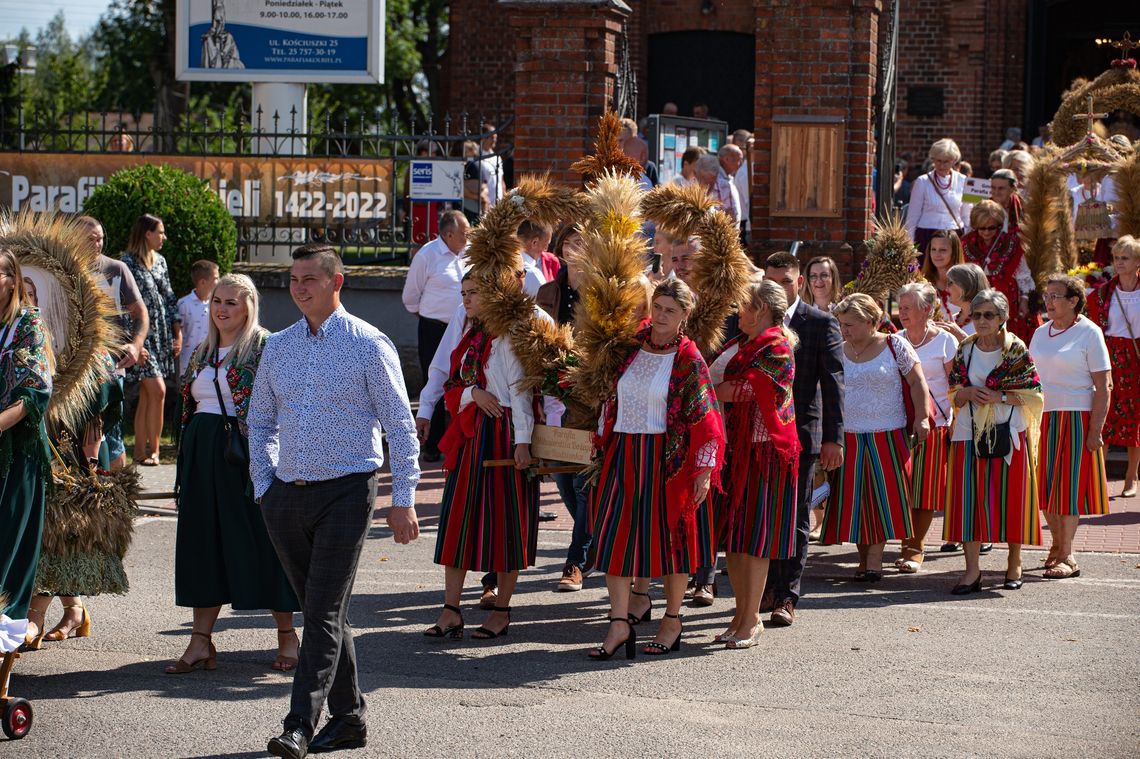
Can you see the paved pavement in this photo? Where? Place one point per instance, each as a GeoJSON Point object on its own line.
{"type": "Point", "coordinates": [896, 669]}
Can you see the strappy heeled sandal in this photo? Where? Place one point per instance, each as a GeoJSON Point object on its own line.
{"type": "Point", "coordinates": [601, 654]}
{"type": "Point", "coordinates": [209, 662]}
{"type": "Point", "coordinates": [82, 630]}
{"type": "Point", "coordinates": [648, 615]}
{"type": "Point", "coordinates": [482, 633]}
{"type": "Point", "coordinates": [284, 663]}
{"type": "Point", "coordinates": [454, 632]}
{"type": "Point", "coordinates": [660, 649]}
{"type": "Point", "coordinates": [36, 643]}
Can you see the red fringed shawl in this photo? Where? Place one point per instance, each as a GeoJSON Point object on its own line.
{"type": "Point", "coordinates": [1100, 302]}
{"type": "Point", "coordinates": [767, 365]}
{"type": "Point", "coordinates": [467, 362]}
{"type": "Point", "coordinates": [1001, 263]}
{"type": "Point", "coordinates": [691, 421]}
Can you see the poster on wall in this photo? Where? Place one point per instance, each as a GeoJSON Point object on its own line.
{"type": "Point", "coordinates": [322, 41]}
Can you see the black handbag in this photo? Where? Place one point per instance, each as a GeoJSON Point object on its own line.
{"type": "Point", "coordinates": [999, 443]}
{"type": "Point", "coordinates": [236, 451]}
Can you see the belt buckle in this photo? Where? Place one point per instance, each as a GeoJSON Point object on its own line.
{"type": "Point", "coordinates": [300, 483]}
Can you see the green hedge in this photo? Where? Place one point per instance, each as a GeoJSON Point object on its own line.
{"type": "Point", "coordinates": [197, 224]}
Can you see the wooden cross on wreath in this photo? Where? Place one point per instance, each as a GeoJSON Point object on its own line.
{"type": "Point", "coordinates": [1124, 45]}
{"type": "Point", "coordinates": [1091, 116]}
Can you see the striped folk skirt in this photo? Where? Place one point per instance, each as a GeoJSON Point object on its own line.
{"type": "Point", "coordinates": [1122, 426]}
{"type": "Point", "coordinates": [489, 517]}
{"type": "Point", "coordinates": [631, 531]}
{"type": "Point", "coordinates": [765, 524]}
{"type": "Point", "coordinates": [871, 503]}
{"type": "Point", "coordinates": [989, 500]}
{"type": "Point", "coordinates": [1070, 478]}
{"type": "Point", "coordinates": [928, 471]}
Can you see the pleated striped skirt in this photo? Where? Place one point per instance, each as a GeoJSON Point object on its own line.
{"type": "Point", "coordinates": [871, 502]}
{"type": "Point", "coordinates": [765, 524]}
{"type": "Point", "coordinates": [991, 501]}
{"type": "Point", "coordinates": [631, 531]}
{"type": "Point", "coordinates": [489, 517]}
{"type": "Point", "coordinates": [1070, 479]}
{"type": "Point", "coordinates": [928, 471]}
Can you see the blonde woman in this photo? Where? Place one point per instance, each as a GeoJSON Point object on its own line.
{"type": "Point", "coordinates": [223, 554]}
{"type": "Point", "coordinates": [936, 197]}
{"type": "Point", "coordinates": [824, 286]}
{"type": "Point", "coordinates": [871, 504]}
{"type": "Point", "coordinates": [164, 336]}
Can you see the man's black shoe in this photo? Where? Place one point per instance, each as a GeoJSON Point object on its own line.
{"type": "Point", "coordinates": [338, 733]}
{"type": "Point", "coordinates": [291, 744]}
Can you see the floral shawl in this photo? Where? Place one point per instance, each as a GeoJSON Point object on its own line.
{"type": "Point", "coordinates": [240, 378]}
{"type": "Point", "coordinates": [25, 376]}
{"type": "Point", "coordinates": [467, 362]}
{"type": "Point", "coordinates": [1001, 263]}
{"type": "Point", "coordinates": [692, 420]}
{"type": "Point", "coordinates": [1015, 373]}
{"type": "Point", "coordinates": [767, 366]}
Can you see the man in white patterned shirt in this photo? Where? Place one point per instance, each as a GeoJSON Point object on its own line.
{"type": "Point", "coordinates": [326, 390]}
{"type": "Point", "coordinates": [431, 292]}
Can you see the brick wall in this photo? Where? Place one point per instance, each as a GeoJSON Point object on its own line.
{"type": "Point", "coordinates": [479, 69]}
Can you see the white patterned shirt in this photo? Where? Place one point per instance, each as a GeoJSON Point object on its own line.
{"type": "Point", "coordinates": [320, 403]}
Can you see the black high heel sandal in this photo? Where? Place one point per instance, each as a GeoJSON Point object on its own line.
{"type": "Point", "coordinates": [648, 615]}
{"type": "Point", "coordinates": [454, 632]}
{"type": "Point", "coordinates": [482, 633]}
{"type": "Point", "coordinates": [601, 654]}
{"type": "Point", "coordinates": [660, 649]}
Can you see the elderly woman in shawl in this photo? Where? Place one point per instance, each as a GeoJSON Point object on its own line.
{"type": "Point", "coordinates": [993, 491]}
{"type": "Point", "coordinates": [756, 515]}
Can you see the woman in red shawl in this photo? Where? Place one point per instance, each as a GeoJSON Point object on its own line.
{"type": "Point", "coordinates": [756, 515]}
{"type": "Point", "coordinates": [1115, 306]}
{"type": "Point", "coordinates": [1001, 257]}
{"type": "Point", "coordinates": [662, 443]}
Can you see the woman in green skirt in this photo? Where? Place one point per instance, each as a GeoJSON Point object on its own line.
{"type": "Point", "coordinates": [222, 552]}
{"type": "Point", "coordinates": [25, 388]}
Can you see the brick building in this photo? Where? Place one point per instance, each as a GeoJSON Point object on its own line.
{"type": "Point", "coordinates": [801, 73]}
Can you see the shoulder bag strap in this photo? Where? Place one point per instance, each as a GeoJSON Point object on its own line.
{"type": "Point", "coordinates": [218, 390]}
{"type": "Point", "coordinates": [942, 197]}
{"type": "Point", "coordinates": [1127, 322]}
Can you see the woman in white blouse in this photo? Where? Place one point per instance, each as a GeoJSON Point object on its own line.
{"type": "Point", "coordinates": [222, 554]}
{"type": "Point", "coordinates": [1072, 361]}
{"type": "Point", "coordinates": [935, 348]}
{"type": "Point", "coordinates": [871, 503]}
{"type": "Point", "coordinates": [661, 445]}
{"type": "Point", "coordinates": [936, 197]}
{"type": "Point", "coordinates": [992, 490]}
{"type": "Point", "coordinates": [488, 521]}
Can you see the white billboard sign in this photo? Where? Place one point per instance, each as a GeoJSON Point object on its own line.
{"type": "Point", "coordinates": [436, 180]}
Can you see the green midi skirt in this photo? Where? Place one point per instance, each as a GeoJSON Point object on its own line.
{"type": "Point", "coordinates": [222, 553]}
{"type": "Point", "coordinates": [21, 530]}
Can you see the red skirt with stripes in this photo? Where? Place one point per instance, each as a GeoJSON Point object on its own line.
{"type": "Point", "coordinates": [1122, 426]}
{"type": "Point", "coordinates": [871, 503]}
{"type": "Point", "coordinates": [928, 471]}
{"type": "Point", "coordinates": [631, 531]}
{"type": "Point", "coordinates": [1070, 478]}
{"type": "Point", "coordinates": [991, 501]}
{"type": "Point", "coordinates": [765, 524]}
{"type": "Point", "coordinates": [489, 516]}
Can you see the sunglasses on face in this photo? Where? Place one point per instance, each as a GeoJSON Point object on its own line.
{"type": "Point", "coordinates": [1050, 297]}
{"type": "Point", "coordinates": [988, 229]}
{"type": "Point", "coordinates": [987, 315]}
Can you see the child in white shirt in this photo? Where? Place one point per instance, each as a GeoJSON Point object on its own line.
{"type": "Point", "coordinates": [194, 308]}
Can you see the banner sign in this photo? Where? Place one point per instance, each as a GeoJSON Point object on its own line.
{"type": "Point", "coordinates": [322, 41]}
{"type": "Point", "coordinates": [436, 180]}
{"type": "Point", "coordinates": [279, 190]}
{"type": "Point", "coordinates": [975, 190]}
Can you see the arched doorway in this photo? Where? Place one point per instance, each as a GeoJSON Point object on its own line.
{"type": "Point", "coordinates": [717, 68]}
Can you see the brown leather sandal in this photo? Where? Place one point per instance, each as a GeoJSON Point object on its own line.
{"type": "Point", "coordinates": [285, 663]}
{"type": "Point", "coordinates": [208, 662]}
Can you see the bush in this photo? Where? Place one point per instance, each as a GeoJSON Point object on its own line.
{"type": "Point", "coordinates": [197, 224]}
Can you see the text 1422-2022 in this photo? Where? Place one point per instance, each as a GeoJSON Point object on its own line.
{"type": "Point", "coordinates": [302, 204]}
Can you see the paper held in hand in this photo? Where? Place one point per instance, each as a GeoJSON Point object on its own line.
{"type": "Point", "coordinates": [561, 444]}
{"type": "Point", "coordinates": [975, 190]}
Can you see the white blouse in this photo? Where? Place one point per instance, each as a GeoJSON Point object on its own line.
{"type": "Point", "coordinates": [1124, 311]}
{"type": "Point", "coordinates": [743, 392]}
{"type": "Point", "coordinates": [981, 364]}
{"type": "Point", "coordinates": [1065, 362]}
{"type": "Point", "coordinates": [934, 355]}
{"type": "Point", "coordinates": [926, 209]}
{"type": "Point", "coordinates": [643, 393]}
{"type": "Point", "coordinates": [872, 389]}
{"type": "Point", "coordinates": [716, 370]}
{"type": "Point", "coordinates": [504, 373]}
{"type": "Point", "coordinates": [203, 392]}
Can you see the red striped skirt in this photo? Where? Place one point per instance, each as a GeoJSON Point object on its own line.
{"type": "Point", "coordinates": [765, 524]}
{"type": "Point", "coordinates": [1122, 426]}
{"type": "Point", "coordinates": [991, 501]}
{"type": "Point", "coordinates": [928, 471]}
{"type": "Point", "coordinates": [631, 531]}
{"type": "Point", "coordinates": [871, 503]}
{"type": "Point", "coordinates": [1070, 478]}
{"type": "Point", "coordinates": [489, 516]}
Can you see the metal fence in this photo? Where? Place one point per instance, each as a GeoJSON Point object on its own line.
{"type": "Point", "coordinates": [368, 228]}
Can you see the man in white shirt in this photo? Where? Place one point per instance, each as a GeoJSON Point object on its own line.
{"type": "Point", "coordinates": [742, 179]}
{"type": "Point", "coordinates": [194, 308]}
{"type": "Point", "coordinates": [535, 238]}
{"type": "Point", "coordinates": [431, 292]}
{"type": "Point", "coordinates": [491, 165]}
{"type": "Point", "coordinates": [713, 175]}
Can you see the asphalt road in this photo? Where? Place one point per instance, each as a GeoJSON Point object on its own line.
{"type": "Point", "coordinates": [896, 670]}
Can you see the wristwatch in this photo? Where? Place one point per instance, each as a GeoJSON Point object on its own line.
{"type": "Point", "coordinates": [1003, 398]}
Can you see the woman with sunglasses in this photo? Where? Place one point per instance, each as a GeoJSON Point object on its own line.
{"type": "Point", "coordinates": [993, 493]}
{"type": "Point", "coordinates": [1075, 374]}
{"type": "Point", "coordinates": [999, 253]}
